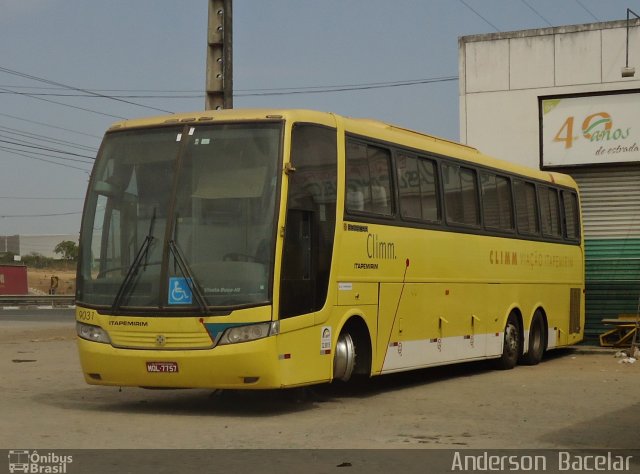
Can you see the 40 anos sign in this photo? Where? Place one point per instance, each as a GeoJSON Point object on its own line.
{"type": "Point", "coordinates": [590, 129]}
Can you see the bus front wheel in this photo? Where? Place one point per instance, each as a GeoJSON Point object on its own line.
{"type": "Point", "coordinates": [344, 359]}
{"type": "Point", "coordinates": [511, 346]}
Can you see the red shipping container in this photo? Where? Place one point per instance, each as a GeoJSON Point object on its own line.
{"type": "Point", "coordinates": [13, 280]}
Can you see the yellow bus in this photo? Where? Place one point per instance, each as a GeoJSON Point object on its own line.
{"type": "Point", "coordinates": [255, 249]}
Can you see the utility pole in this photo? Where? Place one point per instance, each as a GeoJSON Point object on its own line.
{"type": "Point", "coordinates": [219, 80]}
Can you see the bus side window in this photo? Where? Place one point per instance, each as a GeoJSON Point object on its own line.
{"type": "Point", "coordinates": [460, 195]}
{"type": "Point", "coordinates": [418, 188]}
{"type": "Point", "coordinates": [571, 216]}
{"type": "Point", "coordinates": [429, 190]}
{"type": "Point", "coordinates": [550, 212]}
{"type": "Point", "coordinates": [368, 179]}
{"type": "Point", "coordinates": [409, 187]}
{"type": "Point", "coordinates": [497, 203]}
{"type": "Point", "coordinates": [526, 208]}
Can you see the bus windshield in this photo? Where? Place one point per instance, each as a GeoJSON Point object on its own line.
{"type": "Point", "coordinates": [181, 218]}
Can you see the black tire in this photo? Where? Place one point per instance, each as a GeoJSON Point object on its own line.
{"type": "Point", "coordinates": [511, 346]}
{"type": "Point", "coordinates": [537, 341]}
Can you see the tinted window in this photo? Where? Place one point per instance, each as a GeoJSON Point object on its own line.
{"type": "Point", "coordinates": [418, 188]}
{"type": "Point", "coordinates": [310, 222]}
{"type": "Point", "coordinates": [368, 179]}
{"type": "Point", "coordinates": [571, 215]}
{"type": "Point", "coordinates": [497, 203]}
{"type": "Point", "coordinates": [550, 212]}
{"type": "Point", "coordinates": [526, 207]}
{"type": "Point", "coordinates": [460, 194]}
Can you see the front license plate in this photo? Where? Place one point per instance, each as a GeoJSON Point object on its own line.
{"type": "Point", "coordinates": [162, 367]}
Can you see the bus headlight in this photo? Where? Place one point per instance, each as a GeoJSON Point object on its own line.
{"type": "Point", "coordinates": [92, 333]}
{"type": "Point", "coordinates": [250, 332]}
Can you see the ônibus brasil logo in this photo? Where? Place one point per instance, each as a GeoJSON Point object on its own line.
{"type": "Point", "coordinates": [24, 460]}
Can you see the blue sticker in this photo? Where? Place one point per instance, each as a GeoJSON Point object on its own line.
{"type": "Point", "coordinates": [179, 291]}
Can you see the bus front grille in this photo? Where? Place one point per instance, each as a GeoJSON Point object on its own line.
{"type": "Point", "coordinates": [160, 341]}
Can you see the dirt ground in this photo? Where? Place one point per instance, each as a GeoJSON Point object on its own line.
{"type": "Point", "coordinates": [579, 399]}
{"type": "Point", "coordinates": [39, 280]}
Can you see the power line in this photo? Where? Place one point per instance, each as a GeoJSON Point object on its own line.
{"type": "Point", "coordinates": [327, 89]}
{"type": "Point", "coordinates": [293, 90]}
{"type": "Point", "coordinates": [483, 18]}
{"type": "Point", "coordinates": [66, 86]}
{"type": "Point", "coordinates": [53, 150]}
{"type": "Point", "coordinates": [42, 198]}
{"type": "Point", "coordinates": [537, 13]}
{"type": "Point", "coordinates": [30, 154]}
{"type": "Point", "coordinates": [40, 215]}
{"type": "Point", "coordinates": [360, 84]}
{"type": "Point", "coordinates": [67, 105]}
{"type": "Point", "coordinates": [110, 91]}
{"type": "Point", "coordinates": [125, 96]}
{"type": "Point", "coordinates": [49, 125]}
{"type": "Point", "coordinates": [588, 11]}
{"type": "Point", "coordinates": [130, 96]}
{"type": "Point", "coordinates": [44, 138]}
{"type": "Point", "coordinates": [15, 139]}
{"type": "Point", "coordinates": [9, 151]}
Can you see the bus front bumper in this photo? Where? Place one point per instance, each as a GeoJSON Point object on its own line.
{"type": "Point", "coordinates": [247, 365]}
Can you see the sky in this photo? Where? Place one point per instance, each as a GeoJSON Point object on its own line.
{"type": "Point", "coordinates": [397, 59]}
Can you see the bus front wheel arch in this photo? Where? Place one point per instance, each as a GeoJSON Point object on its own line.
{"type": "Point", "coordinates": [352, 356]}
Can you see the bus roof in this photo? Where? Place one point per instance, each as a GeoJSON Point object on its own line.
{"type": "Point", "coordinates": [229, 114]}
{"type": "Point", "coordinates": [359, 126]}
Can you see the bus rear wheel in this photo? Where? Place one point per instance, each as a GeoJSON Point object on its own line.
{"type": "Point", "coordinates": [511, 346]}
{"type": "Point", "coordinates": [537, 341]}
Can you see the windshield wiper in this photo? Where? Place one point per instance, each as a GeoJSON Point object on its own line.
{"type": "Point", "coordinates": [133, 269]}
{"type": "Point", "coordinates": [188, 275]}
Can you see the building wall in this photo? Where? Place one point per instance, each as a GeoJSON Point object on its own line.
{"type": "Point", "coordinates": [502, 77]}
{"type": "Point", "coordinates": [503, 74]}
{"type": "Point", "coordinates": [10, 244]}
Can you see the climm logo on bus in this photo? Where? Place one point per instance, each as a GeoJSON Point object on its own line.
{"type": "Point", "coordinates": [376, 248]}
{"type": "Point", "coordinates": [380, 249]}
{"type": "Point", "coordinates": [531, 259]}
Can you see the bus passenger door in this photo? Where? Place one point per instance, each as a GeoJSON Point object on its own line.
{"type": "Point", "coordinates": [298, 279]}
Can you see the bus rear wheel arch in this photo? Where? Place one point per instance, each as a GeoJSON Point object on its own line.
{"type": "Point", "coordinates": [352, 355]}
{"type": "Point", "coordinates": [537, 343]}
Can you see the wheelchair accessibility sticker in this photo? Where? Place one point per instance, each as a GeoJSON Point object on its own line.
{"type": "Point", "coordinates": [179, 291]}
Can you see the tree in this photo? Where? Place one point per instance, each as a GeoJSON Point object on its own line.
{"type": "Point", "coordinates": [6, 257]}
{"type": "Point", "coordinates": [37, 260]}
{"type": "Point", "coordinates": [68, 249]}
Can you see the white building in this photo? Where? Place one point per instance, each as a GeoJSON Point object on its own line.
{"type": "Point", "coordinates": [555, 99]}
